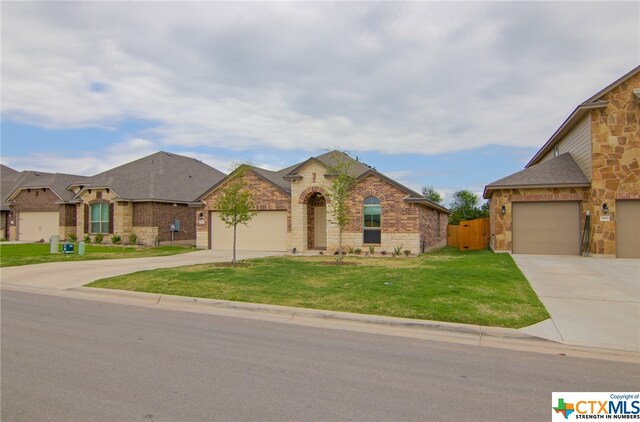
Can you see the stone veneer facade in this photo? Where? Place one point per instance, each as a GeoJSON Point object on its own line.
{"type": "Point", "coordinates": [615, 144]}
{"type": "Point", "coordinates": [411, 225]}
{"type": "Point", "coordinates": [615, 138]}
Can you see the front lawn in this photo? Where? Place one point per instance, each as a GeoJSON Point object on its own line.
{"type": "Point", "coordinates": [447, 285]}
{"type": "Point", "coordinates": [37, 253]}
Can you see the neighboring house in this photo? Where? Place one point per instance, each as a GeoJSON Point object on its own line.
{"type": "Point", "coordinates": [40, 206]}
{"type": "Point", "coordinates": [147, 197]}
{"type": "Point", "coordinates": [591, 165]}
{"type": "Point", "coordinates": [151, 197]}
{"type": "Point", "coordinates": [8, 179]}
{"type": "Point", "coordinates": [294, 211]}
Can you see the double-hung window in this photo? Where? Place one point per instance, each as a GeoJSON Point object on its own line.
{"type": "Point", "coordinates": [372, 219]}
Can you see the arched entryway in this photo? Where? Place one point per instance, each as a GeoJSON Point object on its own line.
{"type": "Point", "coordinates": [316, 221]}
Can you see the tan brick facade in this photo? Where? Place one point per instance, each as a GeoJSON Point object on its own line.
{"type": "Point", "coordinates": [615, 146]}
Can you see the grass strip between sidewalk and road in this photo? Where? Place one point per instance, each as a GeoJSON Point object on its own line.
{"type": "Point", "coordinates": [38, 253]}
{"type": "Point", "coordinates": [478, 287]}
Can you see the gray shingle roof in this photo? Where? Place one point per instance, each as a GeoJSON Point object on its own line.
{"type": "Point", "coordinates": [273, 177]}
{"type": "Point", "coordinates": [161, 177]}
{"type": "Point", "coordinates": [558, 171]}
{"type": "Point", "coordinates": [57, 182]}
{"type": "Point", "coordinates": [8, 179]}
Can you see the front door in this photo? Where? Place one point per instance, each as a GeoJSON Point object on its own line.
{"type": "Point", "coordinates": [320, 228]}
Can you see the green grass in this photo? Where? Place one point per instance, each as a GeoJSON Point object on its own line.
{"type": "Point", "coordinates": [448, 285]}
{"type": "Point", "coordinates": [34, 253]}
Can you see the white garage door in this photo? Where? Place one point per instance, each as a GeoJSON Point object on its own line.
{"type": "Point", "coordinates": [267, 231]}
{"type": "Point", "coordinates": [628, 229]}
{"type": "Point", "coordinates": [551, 228]}
{"type": "Point", "coordinates": [34, 226]}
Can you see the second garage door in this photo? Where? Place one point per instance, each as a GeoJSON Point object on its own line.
{"type": "Point", "coordinates": [628, 229]}
{"type": "Point", "coordinates": [551, 228]}
{"type": "Point", "coordinates": [34, 226]}
{"type": "Point", "coordinates": [267, 231]}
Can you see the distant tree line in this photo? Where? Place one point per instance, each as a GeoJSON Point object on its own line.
{"type": "Point", "coordinates": [464, 205]}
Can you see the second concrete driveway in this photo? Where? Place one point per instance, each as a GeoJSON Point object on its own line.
{"type": "Point", "coordinates": [593, 302]}
{"type": "Point", "coordinates": [66, 275]}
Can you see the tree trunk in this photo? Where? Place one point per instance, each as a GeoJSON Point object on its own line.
{"type": "Point", "coordinates": [233, 261]}
{"type": "Point", "coordinates": [340, 256]}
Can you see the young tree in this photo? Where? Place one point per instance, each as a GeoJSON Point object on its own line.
{"type": "Point", "coordinates": [431, 194]}
{"type": "Point", "coordinates": [338, 194]}
{"type": "Point", "coordinates": [235, 205]}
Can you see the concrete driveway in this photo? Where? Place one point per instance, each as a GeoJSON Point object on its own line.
{"type": "Point", "coordinates": [67, 275]}
{"type": "Point", "coordinates": [593, 302]}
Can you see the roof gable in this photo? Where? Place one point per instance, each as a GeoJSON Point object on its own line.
{"type": "Point", "coordinates": [57, 182]}
{"type": "Point", "coordinates": [593, 103]}
{"type": "Point", "coordinates": [329, 160]}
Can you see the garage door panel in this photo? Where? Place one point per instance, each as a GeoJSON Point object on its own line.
{"type": "Point", "coordinates": [546, 228]}
{"type": "Point", "coordinates": [628, 229]}
{"type": "Point", "coordinates": [267, 231]}
{"type": "Point", "coordinates": [34, 226]}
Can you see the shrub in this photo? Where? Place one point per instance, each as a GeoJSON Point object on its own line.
{"type": "Point", "coordinates": [133, 239]}
{"type": "Point", "coordinates": [372, 250]}
{"type": "Point", "coordinates": [72, 237]}
{"type": "Point", "coordinates": [383, 252]}
{"type": "Point", "coordinates": [98, 238]}
{"type": "Point", "coordinates": [350, 249]}
{"type": "Point", "coordinates": [357, 251]}
{"type": "Point", "coordinates": [407, 252]}
{"type": "Point", "coordinates": [397, 251]}
{"type": "Point", "coordinates": [87, 238]}
{"type": "Point", "coordinates": [321, 253]}
{"type": "Point", "coordinates": [115, 239]}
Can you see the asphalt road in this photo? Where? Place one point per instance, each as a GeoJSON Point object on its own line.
{"type": "Point", "coordinates": [65, 359]}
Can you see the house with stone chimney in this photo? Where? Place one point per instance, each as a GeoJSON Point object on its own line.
{"type": "Point", "coordinates": [589, 167]}
{"type": "Point", "coordinates": [152, 197]}
{"type": "Point", "coordinates": [293, 211]}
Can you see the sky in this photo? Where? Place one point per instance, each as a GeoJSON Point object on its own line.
{"type": "Point", "coordinates": [452, 95]}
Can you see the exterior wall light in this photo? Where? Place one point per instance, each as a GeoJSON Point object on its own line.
{"type": "Point", "coordinates": [503, 210]}
{"type": "Point", "coordinates": [605, 208]}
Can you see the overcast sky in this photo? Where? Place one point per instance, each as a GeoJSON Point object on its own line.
{"type": "Point", "coordinates": [450, 94]}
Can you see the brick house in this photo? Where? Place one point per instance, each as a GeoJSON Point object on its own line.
{"type": "Point", "coordinates": [293, 211]}
{"type": "Point", "coordinates": [147, 197]}
{"type": "Point", "coordinates": [8, 179]}
{"type": "Point", "coordinates": [591, 165]}
{"type": "Point", "coordinates": [40, 205]}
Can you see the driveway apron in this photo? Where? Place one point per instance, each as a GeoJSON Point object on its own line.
{"type": "Point", "coordinates": [592, 301]}
{"type": "Point", "coordinates": [67, 275]}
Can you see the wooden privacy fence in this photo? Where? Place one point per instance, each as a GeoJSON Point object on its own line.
{"type": "Point", "coordinates": [470, 235]}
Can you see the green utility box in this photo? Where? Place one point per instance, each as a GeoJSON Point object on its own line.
{"type": "Point", "coordinates": [67, 247]}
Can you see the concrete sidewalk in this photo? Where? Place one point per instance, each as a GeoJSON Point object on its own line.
{"type": "Point", "coordinates": [593, 302]}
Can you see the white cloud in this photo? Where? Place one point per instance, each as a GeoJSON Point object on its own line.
{"type": "Point", "coordinates": [422, 78]}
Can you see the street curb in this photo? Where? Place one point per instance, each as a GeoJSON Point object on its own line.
{"type": "Point", "coordinates": [291, 311]}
